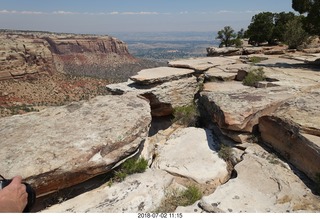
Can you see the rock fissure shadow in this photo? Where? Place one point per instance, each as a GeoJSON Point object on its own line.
{"type": "Point", "coordinates": [291, 66]}
{"type": "Point", "coordinates": [71, 192]}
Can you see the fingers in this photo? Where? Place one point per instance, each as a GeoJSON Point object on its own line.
{"type": "Point", "coordinates": [24, 199]}
{"type": "Point", "coordinates": [17, 184]}
{"type": "Point", "coordinates": [14, 196]}
{"type": "Point", "coordinates": [16, 180]}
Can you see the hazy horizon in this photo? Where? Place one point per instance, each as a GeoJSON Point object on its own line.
{"type": "Point", "coordinates": [106, 16]}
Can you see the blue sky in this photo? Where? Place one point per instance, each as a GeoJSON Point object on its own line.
{"type": "Point", "coordinates": [107, 16]}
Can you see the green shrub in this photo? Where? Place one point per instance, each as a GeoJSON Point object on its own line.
{"type": "Point", "coordinates": [257, 59]}
{"type": "Point", "coordinates": [295, 35]}
{"type": "Point", "coordinates": [132, 166]}
{"type": "Point", "coordinates": [190, 195]}
{"type": "Point", "coordinates": [129, 167]}
{"type": "Point", "coordinates": [119, 176]}
{"type": "Point", "coordinates": [254, 76]}
{"type": "Point", "coordinates": [177, 198]}
{"type": "Point", "coordinates": [186, 115]}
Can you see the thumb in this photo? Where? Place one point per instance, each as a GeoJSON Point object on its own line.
{"type": "Point", "coordinates": [16, 180]}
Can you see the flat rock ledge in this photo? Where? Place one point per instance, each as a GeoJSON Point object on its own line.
{"type": "Point", "coordinates": [160, 74]}
{"type": "Point", "coordinates": [138, 193]}
{"type": "Point", "coordinates": [177, 164]}
{"type": "Point", "coordinates": [202, 64]}
{"type": "Point", "coordinates": [63, 146]}
{"type": "Point", "coordinates": [294, 131]}
{"type": "Point", "coordinates": [165, 87]}
{"type": "Point", "coordinates": [263, 184]}
{"type": "Point", "coordinates": [188, 149]}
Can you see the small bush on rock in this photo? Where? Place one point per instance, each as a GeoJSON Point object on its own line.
{"type": "Point", "coordinates": [132, 166]}
{"type": "Point", "coordinates": [186, 115]}
{"type": "Point", "coordinates": [254, 76]}
{"type": "Point", "coordinates": [175, 198]}
{"type": "Point", "coordinates": [257, 59]}
{"type": "Point", "coordinates": [129, 167]}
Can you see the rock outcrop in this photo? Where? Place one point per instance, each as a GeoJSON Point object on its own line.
{"type": "Point", "coordinates": [139, 193]}
{"type": "Point", "coordinates": [249, 50]}
{"type": "Point", "coordinates": [40, 69]}
{"type": "Point", "coordinates": [238, 111]}
{"type": "Point", "coordinates": [199, 150]}
{"type": "Point", "coordinates": [293, 130]}
{"type": "Point", "coordinates": [263, 184]}
{"type": "Point", "coordinates": [24, 55]}
{"type": "Point", "coordinates": [285, 114]}
{"type": "Point", "coordinates": [89, 55]}
{"type": "Point", "coordinates": [166, 88]}
{"type": "Point", "coordinates": [70, 144]}
{"type": "Point", "coordinates": [62, 146]}
{"type": "Point", "coordinates": [145, 192]}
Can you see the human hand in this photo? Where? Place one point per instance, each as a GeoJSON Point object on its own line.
{"type": "Point", "coordinates": [14, 197]}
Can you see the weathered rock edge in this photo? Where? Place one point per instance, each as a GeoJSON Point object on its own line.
{"type": "Point", "coordinates": [63, 146]}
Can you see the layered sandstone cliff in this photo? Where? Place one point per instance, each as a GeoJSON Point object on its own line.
{"type": "Point", "coordinates": [23, 54]}
{"type": "Point", "coordinates": [38, 69]}
{"type": "Point", "coordinates": [90, 55]}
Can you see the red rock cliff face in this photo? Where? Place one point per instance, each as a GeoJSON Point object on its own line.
{"type": "Point", "coordinates": [80, 44]}
{"type": "Point", "coordinates": [26, 54]}
{"type": "Point", "coordinates": [89, 56]}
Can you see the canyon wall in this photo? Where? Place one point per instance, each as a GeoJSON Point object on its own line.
{"type": "Point", "coordinates": [30, 53]}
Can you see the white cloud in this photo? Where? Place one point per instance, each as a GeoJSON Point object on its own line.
{"type": "Point", "coordinates": [253, 12]}
{"type": "Point", "coordinates": [134, 13]}
{"type": "Point", "coordinates": [225, 11]}
{"type": "Point", "coordinates": [20, 12]}
{"type": "Point", "coordinates": [65, 12]}
{"type": "Point", "coordinates": [61, 12]}
{"type": "Point", "coordinates": [230, 12]}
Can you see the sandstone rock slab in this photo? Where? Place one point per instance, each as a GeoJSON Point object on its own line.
{"type": "Point", "coordinates": [164, 97]}
{"type": "Point", "coordinates": [235, 67]}
{"type": "Point", "coordinates": [226, 51]}
{"type": "Point", "coordinates": [160, 75]}
{"type": "Point", "coordinates": [63, 146]}
{"type": "Point", "coordinates": [224, 87]}
{"type": "Point", "coordinates": [294, 131]}
{"type": "Point", "coordinates": [216, 74]}
{"type": "Point", "coordinates": [263, 184]}
{"type": "Point", "coordinates": [240, 110]}
{"type": "Point", "coordinates": [23, 55]}
{"type": "Point", "coordinates": [191, 153]}
{"type": "Point", "coordinates": [138, 193]}
{"type": "Point", "coordinates": [202, 64]}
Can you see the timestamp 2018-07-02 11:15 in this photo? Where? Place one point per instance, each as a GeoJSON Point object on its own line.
{"type": "Point", "coordinates": [160, 215]}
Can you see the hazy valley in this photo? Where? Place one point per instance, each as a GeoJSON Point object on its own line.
{"type": "Point", "coordinates": [166, 46]}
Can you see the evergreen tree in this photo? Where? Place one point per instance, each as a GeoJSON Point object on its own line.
{"type": "Point", "coordinates": [226, 36]}
{"type": "Point", "coordinates": [294, 34]}
{"type": "Point", "coordinates": [261, 28]}
{"type": "Point", "coordinates": [312, 10]}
